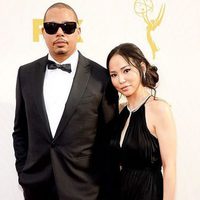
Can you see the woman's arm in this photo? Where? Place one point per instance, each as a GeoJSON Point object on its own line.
{"type": "Point", "coordinates": [166, 134]}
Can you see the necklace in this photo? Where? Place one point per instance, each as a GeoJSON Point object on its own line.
{"type": "Point", "coordinates": [138, 106]}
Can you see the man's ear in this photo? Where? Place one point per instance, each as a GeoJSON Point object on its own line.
{"type": "Point", "coordinates": [79, 34]}
{"type": "Point", "coordinates": [42, 31]}
{"type": "Point", "coordinates": [79, 29]}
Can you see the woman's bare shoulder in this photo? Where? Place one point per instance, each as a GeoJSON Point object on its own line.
{"type": "Point", "coordinates": [158, 105]}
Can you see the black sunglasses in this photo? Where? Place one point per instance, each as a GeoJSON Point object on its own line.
{"type": "Point", "coordinates": [67, 27]}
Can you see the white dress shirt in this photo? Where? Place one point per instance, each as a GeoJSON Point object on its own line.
{"type": "Point", "coordinates": [56, 89]}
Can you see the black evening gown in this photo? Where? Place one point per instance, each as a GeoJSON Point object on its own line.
{"type": "Point", "coordinates": [139, 158]}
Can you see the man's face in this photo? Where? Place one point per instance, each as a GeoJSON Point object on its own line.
{"type": "Point", "coordinates": [60, 44]}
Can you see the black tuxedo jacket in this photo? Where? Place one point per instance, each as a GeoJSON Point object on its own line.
{"type": "Point", "coordinates": [76, 156]}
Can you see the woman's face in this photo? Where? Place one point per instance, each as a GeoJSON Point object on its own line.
{"type": "Point", "coordinates": [125, 77]}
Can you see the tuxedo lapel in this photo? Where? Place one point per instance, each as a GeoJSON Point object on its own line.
{"type": "Point", "coordinates": [38, 81]}
{"type": "Point", "coordinates": [78, 88]}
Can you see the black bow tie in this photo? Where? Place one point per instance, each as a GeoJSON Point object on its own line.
{"type": "Point", "coordinates": [64, 67]}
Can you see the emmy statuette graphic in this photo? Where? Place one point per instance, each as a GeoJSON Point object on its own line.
{"type": "Point", "coordinates": [142, 9]}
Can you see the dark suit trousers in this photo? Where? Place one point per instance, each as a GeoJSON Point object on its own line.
{"type": "Point", "coordinates": [45, 191]}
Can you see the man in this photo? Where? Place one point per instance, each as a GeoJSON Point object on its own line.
{"type": "Point", "coordinates": [63, 116]}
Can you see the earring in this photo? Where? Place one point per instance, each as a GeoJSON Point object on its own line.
{"type": "Point", "coordinates": [144, 74]}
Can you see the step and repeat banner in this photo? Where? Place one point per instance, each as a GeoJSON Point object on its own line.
{"type": "Point", "coordinates": [168, 33]}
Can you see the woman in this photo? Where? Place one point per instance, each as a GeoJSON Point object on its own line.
{"type": "Point", "coordinates": [145, 136]}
